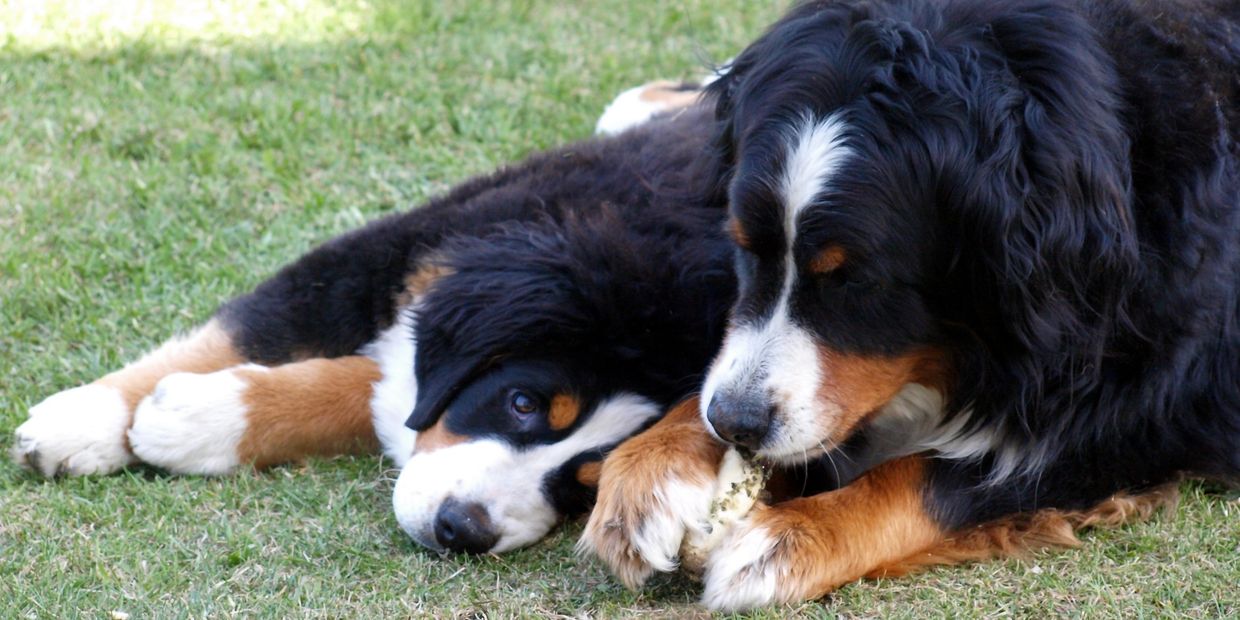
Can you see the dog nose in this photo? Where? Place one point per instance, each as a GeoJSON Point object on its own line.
{"type": "Point", "coordinates": [741, 421]}
{"type": "Point", "coordinates": [464, 527]}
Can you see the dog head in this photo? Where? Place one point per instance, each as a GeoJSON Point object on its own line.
{"type": "Point", "coordinates": [544, 347]}
{"type": "Point", "coordinates": [918, 195]}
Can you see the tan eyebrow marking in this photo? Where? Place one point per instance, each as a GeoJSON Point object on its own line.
{"type": "Point", "coordinates": [737, 232]}
{"type": "Point", "coordinates": [828, 259]}
{"type": "Point", "coordinates": [564, 411]}
{"type": "Point", "coordinates": [435, 438]}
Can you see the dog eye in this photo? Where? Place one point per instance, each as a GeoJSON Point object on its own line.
{"type": "Point", "coordinates": [836, 278]}
{"type": "Point", "coordinates": [840, 279]}
{"type": "Point", "coordinates": [522, 403]}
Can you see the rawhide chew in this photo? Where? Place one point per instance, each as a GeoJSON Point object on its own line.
{"type": "Point", "coordinates": [737, 488]}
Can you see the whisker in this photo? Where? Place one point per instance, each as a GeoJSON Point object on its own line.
{"type": "Point", "coordinates": [831, 460]}
{"type": "Point", "coordinates": [804, 478]}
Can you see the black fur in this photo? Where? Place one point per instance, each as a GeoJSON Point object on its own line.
{"type": "Point", "coordinates": [637, 305]}
{"type": "Point", "coordinates": [351, 283]}
{"type": "Point", "coordinates": [1046, 190]}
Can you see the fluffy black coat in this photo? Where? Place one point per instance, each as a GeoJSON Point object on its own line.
{"type": "Point", "coordinates": [649, 176]}
{"type": "Point", "coordinates": [1050, 194]}
{"type": "Point", "coordinates": [642, 304]}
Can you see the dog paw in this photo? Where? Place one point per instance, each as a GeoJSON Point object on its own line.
{"type": "Point", "coordinates": [192, 423]}
{"type": "Point", "coordinates": [771, 556]}
{"type": "Point", "coordinates": [637, 527]}
{"type": "Point", "coordinates": [654, 490]}
{"type": "Point", "coordinates": [747, 569]}
{"type": "Point", "coordinates": [76, 432]}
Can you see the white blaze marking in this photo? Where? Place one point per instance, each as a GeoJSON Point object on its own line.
{"type": "Point", "coordinates": [778, 357]}
{"type": "Point", "coordinates": [818, 153]}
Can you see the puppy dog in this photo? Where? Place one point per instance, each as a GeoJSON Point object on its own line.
{"type": "Point", "coordinates": [989, 251]}
{"type": "Point", "coordinates": [529, 320]}
{"type": "Point", "coordinates": [545, 347]}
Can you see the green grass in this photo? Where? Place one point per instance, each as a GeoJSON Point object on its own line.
{"type": "Point", "coordinates": [153, 166]}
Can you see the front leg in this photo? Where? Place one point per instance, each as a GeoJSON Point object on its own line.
{"type": "Point", "coordinates": [329, 303]}
{"type": "Point", "coordinates": [805, 547]}
{"type": "Point", "coordinates": [652, 488]}
{"type": "Point", "coordinates": [81, 431]}
{"type": "Point", "coordinates": [253, 415]}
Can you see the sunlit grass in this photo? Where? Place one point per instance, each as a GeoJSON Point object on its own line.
{"type": "Point", "coordinates": [107, 24]}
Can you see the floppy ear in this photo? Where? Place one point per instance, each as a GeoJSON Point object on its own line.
{"type": "Point", "coordinates": [1042, 205]}
{"type": "Point", "coordinates": [723, 91]}
{"type": "Point", "coordinates": [766, 56]}
{"type": "Point", "coordinates": [502, 295]}
{"type": "Point", "coordinates": [436, 389]}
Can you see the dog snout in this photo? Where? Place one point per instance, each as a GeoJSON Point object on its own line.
{"type": "Point", "coordinates": [743, 421]}
{"type": "Point", "coordinates": [464, 527]}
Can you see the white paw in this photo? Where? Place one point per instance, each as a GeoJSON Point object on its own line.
{"type": "Point", "coordinates": [75, 432]}
{"type": "Point", "coordinates": [682, 508]}
{"type": "Point", "coordinates": [744, 572]}
{"type": "Point", "coordinates": [636, 531]}
{"type": "Point", "coordinates": [191, 423]}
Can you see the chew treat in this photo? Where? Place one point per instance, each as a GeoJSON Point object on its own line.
{"type": "Point", "coordinates": [737, 488]}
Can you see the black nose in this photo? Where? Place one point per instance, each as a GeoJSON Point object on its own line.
{"type": "Point", "coordinates": [742, 421]}
{"type": "Point", "coordinates": [464, 527]}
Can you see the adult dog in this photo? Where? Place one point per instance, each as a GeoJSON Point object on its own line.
{"type": "Point", "coordinates": [557, 306]}
{"type": "Point", "coordinates": [987, 251]}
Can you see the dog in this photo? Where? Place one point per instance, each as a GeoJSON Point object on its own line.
{"type": "Point", "coordinates": [558, 306]}
{"type": "Point", "coordinates": [988, 263]}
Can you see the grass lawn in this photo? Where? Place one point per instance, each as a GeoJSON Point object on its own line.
{"type": "Point", "coordinates": [154, 163]}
